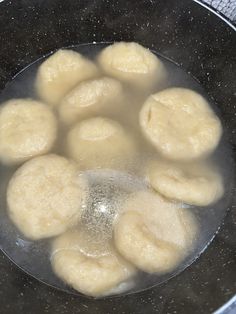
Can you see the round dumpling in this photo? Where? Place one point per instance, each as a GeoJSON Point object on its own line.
{"type": "Point", "coordinates": [132, 63]}
{"type": "Point", "coordinates": [92, 275]}
{"type": "Point", "coordinates": [100, 143]}
{"type": "Point", "coordinates": [153, 233]}
{"type": "Point", "coordinates": [195, 184]}
{"type": "Point", "coordinates": [180, 124]}
{"type": "Point", "coordinates": [90, 97]}
{"type": "Point", "coordinates": [60, 73]}
{"type": "Point", "coordinates": [45, 196]}
{"type": "Point", "coordinates": [27, 128]}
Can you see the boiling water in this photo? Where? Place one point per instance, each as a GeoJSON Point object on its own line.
{"type": "Point", "coordinates": [108, 187]}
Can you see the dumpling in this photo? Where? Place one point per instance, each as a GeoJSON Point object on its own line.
{"type": "Point", "coordinates": [132, 63]}
{"type": "Point", "coordinates": [100, 143]}
{"type": "Point", "coordinates": [153, 233]}
{"type": "Point", "coordinates": [89, 98]}
{"type": "Point", "coordinates": [196, 183]}
{"type": "Point", "coordinates": [60, 72]}
{"type": "Point", "coordinates": [92, 275]}
{"type": "Point", "coordinates": [180, 124]}
{"type": "Point", "coordinates": [45, 196]}
{"type": "Point", "coordinates": [27, 128]}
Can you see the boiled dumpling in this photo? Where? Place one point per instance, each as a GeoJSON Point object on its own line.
{"type": "Point", "coordinates": [100, 143]}
{"type": "Point", "coordinates": [196, 183]}
{"type": "Point", "coordinates": [180, 124]}
{"type": "Point", "coordinates": [27, 128]}
{"type": "Point", "coordinates": [154, 234]}
{"type": "Point", "coordinates": [89, 98]}
{"type": "Point", "coordinates": [60, 73]}
{"type": "Point", "coordinates": [92, 275]}
{"type": "Point", "coordinates": [132, 63]}
{"type": "Point", "coordinates": [45, 196]}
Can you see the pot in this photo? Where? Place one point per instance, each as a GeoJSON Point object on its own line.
{"type": "Point", "coordinates": [202, 43]}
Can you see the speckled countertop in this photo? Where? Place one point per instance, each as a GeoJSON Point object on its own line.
{"type": "Point", "coordinates": [183, 31]}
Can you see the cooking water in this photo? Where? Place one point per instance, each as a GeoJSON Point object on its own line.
{"type": "Point", "coordinates": [109, 186]}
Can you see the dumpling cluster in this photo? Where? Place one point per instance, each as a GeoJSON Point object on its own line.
{"type": "Point", "coordinates": [184, 130]}
{"type": "Point", "coordinates": [47, 195]}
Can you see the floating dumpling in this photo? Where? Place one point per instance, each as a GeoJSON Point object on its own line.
{"type": "Point", "coordinates": [180, 124]}
{"type": "Point", "coordinates": [27, 128]}
{"type": "Point", "coordinates": [196, 183]}
{"type": "Point", "coordinates": [60, 73]}
{"type": "Point", "coordinates": [132, 63]}
{"type": "Point", "coordinates": [89, 98]}
{"type": "Point", "coordinates": [154, 234]}
{"type": "Point", "coordinates": [92, 275]}
{"type": "Point", "coordinates": [45, 196]}
{"type": "Point", "coordinates": [100, 143]}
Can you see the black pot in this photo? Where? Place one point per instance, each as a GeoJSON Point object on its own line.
{"type": "Point", "coordinates": [199, 41]}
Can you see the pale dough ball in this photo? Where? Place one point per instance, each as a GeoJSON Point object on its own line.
{"type": "Point", "coordinates": [94, 276]}
{"type": "Point", "coordinates": [45, 196]}
{"type": "Point", "coordinates": [27, 128]}
{"type": "Point", "coordinates": [60, 73]}
{"type": "Point", "coordinates": [132, 63]}
{"type": "Point", "coordinates": [89, 98]}
{"type": "Point", "coordinates": [100, 143]}
{"type": "Point", "coordinates": [153, 233]}
{"type": "Point", "coordinates": [196, 184]}
{"type": "Point", "coordinates": [180, 124]}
